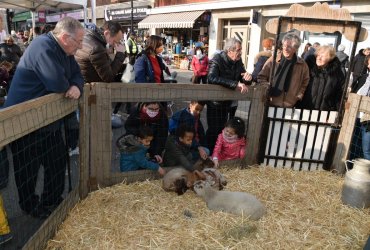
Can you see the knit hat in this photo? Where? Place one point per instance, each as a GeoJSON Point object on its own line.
{"type": "Point", "coordinates": [341, 47]}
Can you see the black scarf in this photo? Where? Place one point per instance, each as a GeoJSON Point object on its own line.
{"type": "Point", "coordinates": [283, 76]}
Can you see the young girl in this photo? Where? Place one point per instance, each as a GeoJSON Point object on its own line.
{"type": "Point", "coordinates": [134, 149]}
{"type": "Point", "coordinates": [231, 142]}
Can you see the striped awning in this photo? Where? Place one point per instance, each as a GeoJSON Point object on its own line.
{"type": "Point", "coordinates": [171, 20]}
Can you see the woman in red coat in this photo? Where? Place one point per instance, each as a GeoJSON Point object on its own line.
{"type": "Point", "coordinates": [199, 63]}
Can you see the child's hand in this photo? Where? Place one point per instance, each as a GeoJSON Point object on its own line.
{"type": "Point", "coordinates": [161, 171]}
{"type": "Point", "coordinates": [202, 153]}
{"type": "Point", "coordinates": [215, 161]}
{"type": "Point", "coordinates": [158, 158]}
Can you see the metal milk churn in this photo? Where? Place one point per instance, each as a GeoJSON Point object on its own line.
{"type": "Point", "coordinates": [356, 188]}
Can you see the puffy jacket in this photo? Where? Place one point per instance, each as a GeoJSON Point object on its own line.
{"type": "Point", "coordinates": [298, 84]}
{"type": "Point", "coordinates": [325, 87]}
{"type": "Point", "coordinates": [11, 53]}
{"type": "Point", "coordinates": [185, 117]}
{"type": "Point", "coordinates": [177, 154]}
{"type": "Point", "coordinates": [200, 66]}
{"type": "Point", "coordinates": [94, 61]}
{"type": "Point", "coordinates": [259, 61]}
{"type": "Point", "coordinates": [144, 72]}
{"type": "Point", "coordinates": [159, 127]}
{"type": "Point", "coordinates": [225, 72]}
{"type": "Point", "coordinates": [359, 67]}
{"type": "Point", "coordinates": [133, 155]}
{"type": "Point", "coordinates": [227, 151]}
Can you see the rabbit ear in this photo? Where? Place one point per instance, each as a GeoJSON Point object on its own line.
{"type": "Point", "coordinates": [200, 175]}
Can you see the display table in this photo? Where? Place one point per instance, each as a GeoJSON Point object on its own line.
{"type": "Point", "coordinates": [177, 59]}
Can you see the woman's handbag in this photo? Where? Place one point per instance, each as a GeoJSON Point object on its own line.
{"type": "Point", "coordinates": [128, 75]}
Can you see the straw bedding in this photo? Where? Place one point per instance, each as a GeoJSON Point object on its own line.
{"type": "Point", "coordinates": [304, 211]}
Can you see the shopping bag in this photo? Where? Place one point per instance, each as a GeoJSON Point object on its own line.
{"type": "Point", "coordinates": [128, 75]}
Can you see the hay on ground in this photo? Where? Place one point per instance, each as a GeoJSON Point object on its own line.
{"type": "Point", "coordinates": [304, 211]}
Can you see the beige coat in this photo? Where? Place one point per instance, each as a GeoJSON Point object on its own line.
{"type": "Point", "coordinates": [298, 85]}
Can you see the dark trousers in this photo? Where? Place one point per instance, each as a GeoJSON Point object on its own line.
{"type": "Point", "coordinates": [202, 79]}
{"type": "Point", "coordinates": [217, 116]}
{"type": "Point", "coordinates": [29, 152]}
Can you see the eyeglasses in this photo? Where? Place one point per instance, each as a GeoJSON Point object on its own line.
{"type": "Point", "coordinates": [237, 50]}
{"type": "Point", "coordinates": [76, 41]}
{"type": "Point", "coordinates": [288, 47]}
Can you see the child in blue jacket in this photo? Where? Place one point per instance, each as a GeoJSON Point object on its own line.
{"type": "Point", "coordinates": [134, 151]}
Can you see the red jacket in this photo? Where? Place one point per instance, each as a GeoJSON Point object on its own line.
{"type": "Point", "coordinates": [227, 151]}
{"type": "Point", "coordinates": [200, 67]}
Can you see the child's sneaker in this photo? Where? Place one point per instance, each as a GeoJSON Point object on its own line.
{"type": "Point", "coordinates": [5, 238]}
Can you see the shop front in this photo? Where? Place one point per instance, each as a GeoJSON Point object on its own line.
{"type": "Point", "coordinates": [20, 20]}
{"type": "Point", "coordinates": [123, 16]}
{"type": "Point", "coordinates": [181, 31]}
{"type": "Point", "coordinates": [54, 18]}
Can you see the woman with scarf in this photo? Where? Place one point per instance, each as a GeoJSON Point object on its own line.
{"type": "Point", "coordinates": [291, 74]}
{"type": "Point", "coordinates": [199, 64]}
{"type": "Point", "coordinates": [325, 87]}
{"type": "Point", "coordinates": [150, 114]}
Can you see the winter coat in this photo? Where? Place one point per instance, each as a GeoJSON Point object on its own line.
{"type": "Point", "coordinates": [10, 53]}
{"type": "Point", "coordinates": [94, 60]}
{"type": "Point", "coordinates": [225, 72]}
{"type": "Point", "coordinates": [343, 58]}
{"type": "Point", "coordinates": [325, 87]}
{"type": "Point", "coordinates": [159, 127]}
{"type": "Point", "coordinates": [144, 72]}
{"type": "Point", "coordinates": [177, 154]}
{"type": "Point", "coordinates": [44, 68]}
{"type": "Point", "coordinates": [184, 116]}
{"type": "Point", "coordinates": [133, 155]}
{"type": "Point", "coordinates": [298, 84]}
{"type": "Point", "coordinates": [200, 66]}
{"type": "Point", "coordinates": [227, 151]}
{"type": "Point", "coordinates": [259, 61]}
{"type": "Point", "coordinates": [359, 67]}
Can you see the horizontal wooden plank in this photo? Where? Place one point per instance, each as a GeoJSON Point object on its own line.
{"type": "Point", "coordinates": [134, 92]}
{"type": "Point", "coordinates": [24, 118]}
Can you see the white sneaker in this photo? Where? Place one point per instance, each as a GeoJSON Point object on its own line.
{"type": "Point", "coordinates": [75, 151]}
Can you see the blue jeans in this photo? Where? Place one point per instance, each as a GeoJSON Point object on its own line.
{"type": "Point", "coordinates": [365, 142]}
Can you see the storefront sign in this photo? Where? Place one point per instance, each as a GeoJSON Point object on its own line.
{"type": "Point", "coordinates": [23, 16]}
{"type": "Point", "coordinates": [42, 16]}
{"type": "Point", "coordinates": [56, 17]}
{"type": "Point", "coordinates": [125, 14]}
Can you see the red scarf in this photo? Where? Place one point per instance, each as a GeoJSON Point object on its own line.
{"type": "Point", "coordinates": [146, 119]}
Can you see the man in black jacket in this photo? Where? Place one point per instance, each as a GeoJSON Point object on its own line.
{"type": "Point", "coordinates": [359, 70]}
{"type": "Point", "coordinates": [225, 69]}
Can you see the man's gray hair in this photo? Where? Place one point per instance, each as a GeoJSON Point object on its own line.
{"type": "Point", "coordinates": [68, 25]}
{"type": "Point", "coordinates": [296, 41]}
{"type": "Point", "coordinates": [230, 44]}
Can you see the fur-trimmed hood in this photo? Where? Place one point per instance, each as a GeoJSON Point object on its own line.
{"type": "Point", "coordinates": [331, 69]}
{"type": "Point", "coordinates": [267, 54]}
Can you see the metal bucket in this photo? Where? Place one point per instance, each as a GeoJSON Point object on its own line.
{"type": "Point", "coordinates": [356, 188]}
